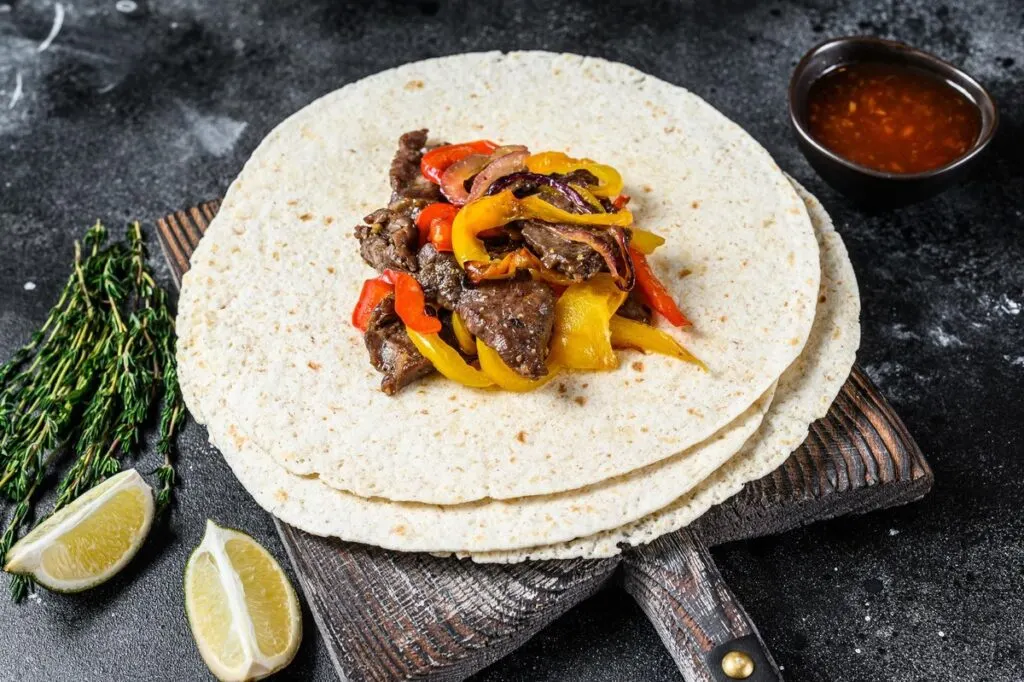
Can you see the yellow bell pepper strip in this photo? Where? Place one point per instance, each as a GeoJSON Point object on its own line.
{"type": "Point", "coordinates": [447, 360]}
{"type": "Point", "coordinates": [609, 181]}
{"type": "Point", "coordinates": [504, 376]}
{"type": "Point", "coordinates": [581, 338]}
{"type": "Point", "coordinates": [535, 207]}
{"type": "Point", "coordinates": [500, 209]}
{"type": "Point", "coordinates": [479, 216]}
{"type": "Point", "coordinates": [466, 342]}
{"type": "Point", "coordinates": [628, 333]}
{"type": "Point", "coordinates": [643, 241]}
{"type": "Point", "coordinates": [594, 202]}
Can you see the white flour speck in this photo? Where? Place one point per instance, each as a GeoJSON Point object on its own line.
{"type": "Point", "coordinates": [900, 332]}
{"type": "Point", "coordinates": [941, 338]}
{"type": "Point", "coordinates": [30, 286]}
{"type": "Point", "coordinates": [1015, 361]}
{"type": "Point", "coordinates": [893, 532]}
{"type": "Point", "coordinates": [941, 633]}
{"type": "Point", "coordinates": [867, 619]}
{"type": "Point", "coordinates": [126, 6]}
{"type": "Point", "coordinates": [34, 596]}
{"type": "Point", "coordinates": [216, 134]}
{"type": "Point", "coordinates": [856, 651]}
{"type": "Point", "coordinates": [16, 95]}
{"type": "Point", "coordinates": [58, 21]}
{"type": "Point", "coordinates": [1008, 306]}
{"type": "Point", "coordinates": [5, 8]}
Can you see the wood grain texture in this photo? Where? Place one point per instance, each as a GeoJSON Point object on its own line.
{"type": "Point", "coordinates": [695, 613]}
{"type": "Point", "coordinates": [860, 457]}
{"type": "Point", "coordinates": [417, 617]}
{"type": "Point", "coordinates": [392, 616]}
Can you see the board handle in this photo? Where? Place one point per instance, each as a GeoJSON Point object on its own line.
{"type": "Point", "coordinates": [704, 627]}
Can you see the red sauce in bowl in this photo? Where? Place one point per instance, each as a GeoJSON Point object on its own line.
{"type": "Point", "coordinates": [891, 118]}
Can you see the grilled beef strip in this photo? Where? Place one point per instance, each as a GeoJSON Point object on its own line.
{"type": "Point", "coordinates": [440, 276]}
{"type": "Point", "coordinates": [580, 176]}
{"type": "Point", "coordinates": [634, 308]}
{"type": "Point", "coordinates": [515, 318]}
{"type": "Point", "coordinates": [391, 350]}
{"type": "Point", "coordinates": [407, 182]}
{"type": "Point", "coordinates": [575, 260]}
{"type": "Point", "coordinates": [388, 240]}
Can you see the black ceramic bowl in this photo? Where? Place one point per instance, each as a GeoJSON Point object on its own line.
{"type": "Point", "coordinates": [856, 181]}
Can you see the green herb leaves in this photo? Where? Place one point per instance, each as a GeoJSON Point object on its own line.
{"type": "Point", "coordinates": [87, 380]}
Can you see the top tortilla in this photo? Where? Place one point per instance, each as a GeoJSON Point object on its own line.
{"type": "Point", "coordinates": [263, 316]}
{"type": "Point", "coordinates": [678, 489]}
{"type": "Point", "coordinates": [805, 393]}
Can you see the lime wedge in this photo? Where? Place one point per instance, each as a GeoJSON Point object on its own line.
{"type": "Point", "coordinates": [243, 612]}
{"type": "Point", "coordinates": [91, 539]}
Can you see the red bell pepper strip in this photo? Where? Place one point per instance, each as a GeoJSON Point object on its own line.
{"type": "Point", "coordinates": [620, 201]}
{"type": "Point", "coordinates": [435, 162]}
{"type": "Point", "coordinates": [655, 292]}
{"type": "Point", "coordinates": [374, 291]}
{"type": "Point", "coordinates": [435, 225]}
{"type": "Point", "coordinates": [441, 234]}
{"type": "Point", "coordinates": [410, 302]}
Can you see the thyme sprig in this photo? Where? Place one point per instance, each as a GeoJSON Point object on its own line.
{"type": "Point", "coordinates": [86, 382]}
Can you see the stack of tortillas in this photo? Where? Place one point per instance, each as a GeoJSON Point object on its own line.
{"type": "Point", "coordinates": [594, 461]}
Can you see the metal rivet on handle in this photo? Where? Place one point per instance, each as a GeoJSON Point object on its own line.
{"type": "Point", "coordinates": [737, 665]}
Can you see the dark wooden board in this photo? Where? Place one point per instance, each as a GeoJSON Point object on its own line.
{"type": "Point", "coordinates": [675, 582]}
{"type": "Point", "coordinates": [388, 615]}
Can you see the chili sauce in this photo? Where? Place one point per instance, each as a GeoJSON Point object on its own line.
{"type": "Point", "coordinates": [892, 118]}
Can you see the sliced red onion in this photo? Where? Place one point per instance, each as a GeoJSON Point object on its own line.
{"type": "Point", "coordinates": [453, 181]}
{"type": "Point", "coordinates": [508, 149]}
{"type": "Point", "coordinates": [506, 164]}
{"type": "Point", "coordinates": [536, 180]}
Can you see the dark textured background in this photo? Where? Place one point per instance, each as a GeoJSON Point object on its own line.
{"type": "Point", "coordinates": [132, 116]}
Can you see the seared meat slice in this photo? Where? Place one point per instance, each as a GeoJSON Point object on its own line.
{"type": "Point", "coordinates": [410, 208]}
{"type": "Point", "coordinates": [440, 276]}
{"type": "Point", "coordinates": [580, 176]}
{"type": "Point", "coordinates": [391, 350]}
{"type": "Point", "coordinates": [575, 260]}
{"type": "Point", "coordinates": [634, 308]}
{"type": "Point", "coordinates": [514, 317]}
{"type": "Point", "coordinates": [406, 180]}
{"type": "Point", "coordinates": [388, 240]}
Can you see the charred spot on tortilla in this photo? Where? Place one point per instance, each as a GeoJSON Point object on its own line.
{"type": "Point", "coordinates": [501, 268]}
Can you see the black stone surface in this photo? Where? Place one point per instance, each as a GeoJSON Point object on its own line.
{"type": "Point", "coordinates": [132, 115]}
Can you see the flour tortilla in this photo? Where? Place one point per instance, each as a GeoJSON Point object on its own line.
{"type": "Point", "coordinates": [262, 318]}
{"type": "Point", "coordinates": [308, 503]}
{"type": "Point", "coordinates": [806, 390]}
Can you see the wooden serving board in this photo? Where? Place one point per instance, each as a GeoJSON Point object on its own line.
{"type": "Point", "coordinates": [394, 616]}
